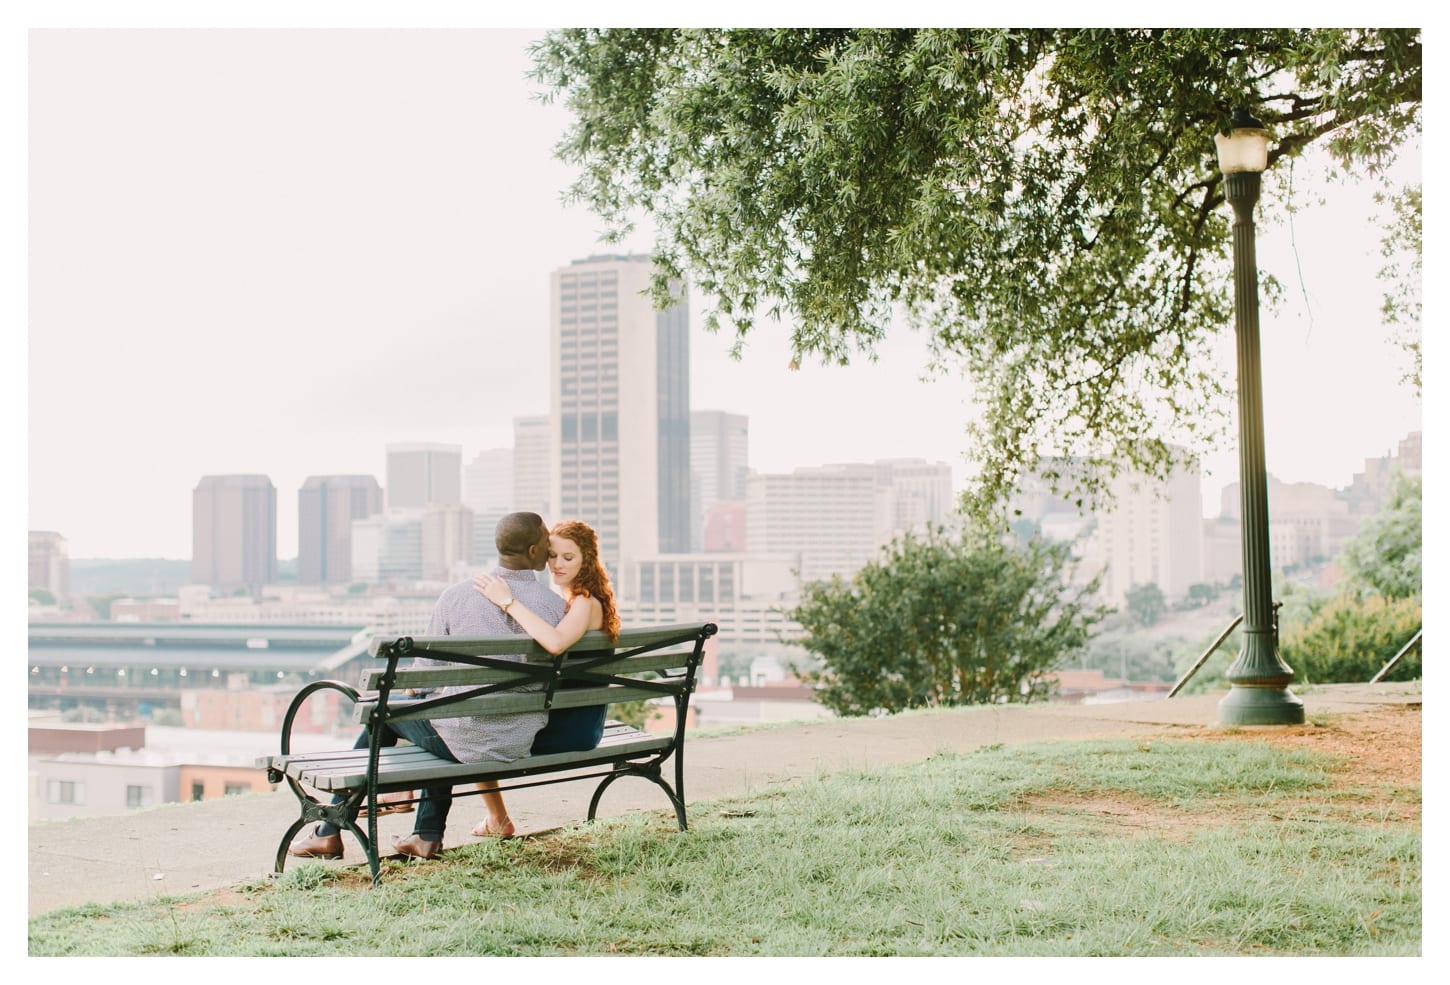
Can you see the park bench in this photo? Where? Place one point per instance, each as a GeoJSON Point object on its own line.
{"type": "Point", "coordinates": [653, 663]}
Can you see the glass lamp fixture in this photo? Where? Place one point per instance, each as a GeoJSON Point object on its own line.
{"type": "Point", "coordinates": [1245, 147]}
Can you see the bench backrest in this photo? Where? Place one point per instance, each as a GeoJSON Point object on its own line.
{"type": "Point", "coordinates": [645, 663]}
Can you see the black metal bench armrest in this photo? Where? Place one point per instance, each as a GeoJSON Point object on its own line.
{"type": "Point", "coordinates": [301, 696]}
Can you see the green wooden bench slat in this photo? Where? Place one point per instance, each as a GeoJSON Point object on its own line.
{"type": "Point", "coordinates": [299, 760]}
{"type": "Point", "coordinates": [614, 732]}
{"type": "Point", "coordinates": [507, 703]}
{"type": "Point", "coordinates": [312, 773]}
{"type": "Point", "coordinates": [507, 645]}
{"type": "Point", "coordinates": [465, 675]}
{"type": "Point", "coordinates": [401, 767]}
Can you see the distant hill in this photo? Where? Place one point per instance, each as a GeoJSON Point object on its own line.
{"type": "Point", "coordinates": [127, 576]}
{"type": "Point", "coordinates": [142, 577]}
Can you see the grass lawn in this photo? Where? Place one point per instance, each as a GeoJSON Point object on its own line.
{"type": "Point", "coordinates": [1174, 847]}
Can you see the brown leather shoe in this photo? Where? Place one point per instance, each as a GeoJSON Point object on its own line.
{"type": "Point", "coordinates": [317, 846]}
{"type": "Point", "coordinates": [417, 847]}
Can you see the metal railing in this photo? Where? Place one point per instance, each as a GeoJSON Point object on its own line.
{"type": "Point", "coordinates": [1419, 633]}
{"type": "Point", "coordinates": [1209, 652]}
{"type": "Point", "coordinates": [1218, 643]}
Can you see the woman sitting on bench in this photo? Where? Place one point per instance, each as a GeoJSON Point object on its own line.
{"type": "Point", "coordinates": [579, 576]}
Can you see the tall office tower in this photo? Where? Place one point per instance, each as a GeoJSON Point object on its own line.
{"type": "Point", "coordinates": [49, 564]}
{"type": "Point", "coordinates": [533, 467]}
{"type": "Point", "coordinates": [423, 475]}
{"type": "Point", "coordinates": [719, 445]}
{"type": "Point", "coordinates": [620, 409]}
{"type": "Point", "coordinates": [488, 490]}
{"type": "Point", "coordinates": [832, 518]}
{"type": "Point", "coordinates": [234, 532]}
{"type": "Point", "coordinates": [326, 507]}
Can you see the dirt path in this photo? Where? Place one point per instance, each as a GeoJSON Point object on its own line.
{"type": "Point", "coordinates": [1382, 742]}
{"type": "Point", "coordinates": [1379, 748]}
{"type": "Point", "coordinates": [1377, 779]}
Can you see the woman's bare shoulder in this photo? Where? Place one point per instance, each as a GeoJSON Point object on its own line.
{"type": "Point", "coordinates": [596, 611]}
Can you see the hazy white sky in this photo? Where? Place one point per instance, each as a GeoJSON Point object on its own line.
{"type": "Point", "coordinates": [277, 251]}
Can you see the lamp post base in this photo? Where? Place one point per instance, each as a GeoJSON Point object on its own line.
{"type": "Point", "coordinates": [1246, 704]}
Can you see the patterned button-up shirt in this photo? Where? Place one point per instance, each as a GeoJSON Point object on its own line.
{"type": "Point", "coordinates": [463, 611]}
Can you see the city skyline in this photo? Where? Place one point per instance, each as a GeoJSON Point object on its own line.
{"type": "Point", "coordinates": [282, 275]}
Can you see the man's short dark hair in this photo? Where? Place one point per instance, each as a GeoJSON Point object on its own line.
{"type": "Point", "coordinates": [517, 532]}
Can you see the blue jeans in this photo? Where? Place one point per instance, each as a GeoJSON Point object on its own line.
{"type": "Point", "coordinates": [436, 802]}
{"type": "Point", "coordinates": [570, 730]}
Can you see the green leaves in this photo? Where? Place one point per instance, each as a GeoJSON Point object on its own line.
{"type": "Point", "coordinates": [1349, 639]}
{"type": "Point", "coordinates": [1351, 635]}
{"type": "Point", "coordinates": [1386, 556]}
{"type": "Point", "coordinates": [1044, 202]}
{"type": "Point", "coordinates": [941, 621]}
{"type": "Point", "coordinates": [1402, 247]}
{"type": "Point", "coordinates": [1146, 604]}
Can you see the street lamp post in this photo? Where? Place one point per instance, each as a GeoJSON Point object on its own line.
{"type": "Point", "coordinates": [1259, 693]}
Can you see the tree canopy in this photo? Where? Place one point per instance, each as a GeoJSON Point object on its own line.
{"type": "Point", "coordinates": [1043, 202]}
{"type": "Point", "coordinates": [1146, 604]}
{"type": "Point", "coordinates": [1402, 248]}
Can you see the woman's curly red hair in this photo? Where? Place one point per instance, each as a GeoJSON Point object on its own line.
{"type": "Point", "coordinates": [592, 580]}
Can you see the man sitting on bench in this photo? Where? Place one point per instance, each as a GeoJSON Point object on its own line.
{"type": "Point", "coordinates": [522, 540]}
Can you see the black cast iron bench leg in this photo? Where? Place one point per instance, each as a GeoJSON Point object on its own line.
{"type": "Point", "coordinates": [651, 772]}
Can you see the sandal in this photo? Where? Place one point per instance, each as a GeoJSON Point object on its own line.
{"type": "Point", "coordinates": [392, 803]}
{"type": "Point", "coordinates": [484, 829]}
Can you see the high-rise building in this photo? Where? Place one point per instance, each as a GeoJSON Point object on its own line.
{"type": "Point", "coordinates": [619, 409]}
{"type": "Point", "coordinates": [1147, 532]}
{"type": "Point", "coordinates": [447, 545]}
{"type": "Point", "coordinates": [387, 548]}
{"type": "Point", "coordinates": [49, 564]}
{"type": "Point", "coordinates": [234, 532]}
{"type": "Point", "coordinates": [488, 490]}
{"type": "Point", "coordinates": [921, 492]}
{"type": "Point", "coordinates": [1223, 550]}
{"type": "Point", "coordinates": [832, 518]}
{"type": "Point", "coordinates": [747, 596]}
{"type": "Point", "coordinates": [401, 546]}
{"type": "Point", "coordinates": [533, 467]}
{"type": "Point", "coordinates": [1152, 535]}
{"type": "Point", "coordinates": [725, 528]}
{"type": "Point", "coordinates": [1308, 523]}
{"type": "Point", "coordinates": [719, 449]}
{"type": "Point", "coordinates": [423, 475]}
{"type": "Point", "coordinates": [326, 507]}
{"type": "Point", "coordinates": [836, 518]}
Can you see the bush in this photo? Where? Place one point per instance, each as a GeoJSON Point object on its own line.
{"type": "Point", "coordinates": [636, 714]}
{"type": "Point", "coordinates": [945, 620]}
{"type": "Point", "coordinates": [1386, 556]}
{"type": "Point", "coordinates": [1349, 639]}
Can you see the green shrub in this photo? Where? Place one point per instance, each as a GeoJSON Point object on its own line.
{"type": "Point", "coordinates": [945, 619]}
{"type": "Point", "coordinates": [1349, 639]}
